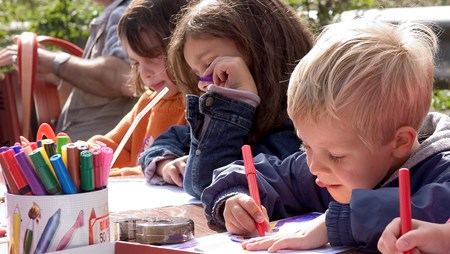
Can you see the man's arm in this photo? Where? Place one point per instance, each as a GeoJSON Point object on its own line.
{"type": "Point", "coordinates": [103, 76]}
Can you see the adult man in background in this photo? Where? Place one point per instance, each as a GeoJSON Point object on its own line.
{"type": "Point", "coordinates": [100, 96]}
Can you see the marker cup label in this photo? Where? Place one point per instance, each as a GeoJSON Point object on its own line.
{"type": "Point", "coordinates": [39, 224]}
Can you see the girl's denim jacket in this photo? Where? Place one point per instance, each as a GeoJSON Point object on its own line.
{"type": "Point", "coordinates": [218, 126]}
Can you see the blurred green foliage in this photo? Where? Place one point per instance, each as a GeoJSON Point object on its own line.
{"type": "Point", "coordinates": [65, 19]}
{"type": "Point", "coordinates": [441, 99]}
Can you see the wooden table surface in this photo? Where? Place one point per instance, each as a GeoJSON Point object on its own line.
{"type": "Point", "coordinates": [192, 211]}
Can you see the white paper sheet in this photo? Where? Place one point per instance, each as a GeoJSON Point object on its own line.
{"type": "Point", "coordinates": [127, 194]}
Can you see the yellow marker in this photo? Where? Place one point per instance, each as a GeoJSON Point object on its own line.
{"type": "Point", "coordinates": [64, 154]}
{"type": "Point", "coordinates": [47, 160]}
{"type": "Point", "coordinates": [16, 230]}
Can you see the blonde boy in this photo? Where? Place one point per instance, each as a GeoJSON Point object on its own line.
{"type": "Point", "coordinates": [359, 101]}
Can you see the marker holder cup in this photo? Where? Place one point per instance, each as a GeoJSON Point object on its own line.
{"type": "Point", "coordinates": [39, 224]}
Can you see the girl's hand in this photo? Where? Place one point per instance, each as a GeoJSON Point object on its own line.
{"type": "Point", "coordinates": [310, 236]}
{"type": "Point", "coordinates": [127, 171]}
{"type": "Point", "coordinates": [172, 170]}
{"type": "Point", "coordinates": [241, 214]}
{"type": "Point", "coordinates": [230, 72]}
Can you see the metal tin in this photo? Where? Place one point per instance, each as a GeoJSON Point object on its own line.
{"type": "Point", "coordinates": [164, 230]}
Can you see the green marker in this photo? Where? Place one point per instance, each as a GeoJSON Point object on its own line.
{"type": "Point", "coordinates": [60, 141]}
{"type": "Point", "coordinates": [49, 181]}
{"type": "Point", "coordinates": [87, 171]}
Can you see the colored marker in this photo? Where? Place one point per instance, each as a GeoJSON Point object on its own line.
{"type": "Point", "coordinates": [47, 160]}
{"type": "Point", "coordinates": [48, 233]}
{"type": "Point", "coordinates": [100, 143]}
{"type": "Point", "coordinates": [73, 164]}
{"type": "Point", "coordinates": [205, 79]}
{"type": "Point", "coordinates": [98, 168]}
{"type": "Point", "coordinates": [82, 146]}
{"type": "Point", "coordinates": [64, 154]}
{"type": "Point", "coordinates": [16, 229]}
{"type": "Point", "coordinates": [34, 146]}
{"type": "Point", "coordinates": [16, 173]}
{"type": "Point", "coordinates": [107, 156]}
{"type": "Point", "coordinates": [30, 174]}
{"type": "Point", "coordinates": [27, 150]}
{"type": "Point", "coordinates": [10, 184]}
{"type": "Point", "coordinates": [66, 182]}
{"type": "Point", "coordinates": [60, 141]}
{"type": "Point", "coordinates": [405, 202]}
{"type": "Point", "coordinates": [93, 146]}
{"type": "Point", "coordinates": [16, 148]}
{"type": "Point", "coordinates": [87, 171]}
{"type": "Point", "coordinates": [49, 147]}
{"type": "Point", "coordinates": [250, 173]}
{"type": "Point", "coordinates": [47, 178]}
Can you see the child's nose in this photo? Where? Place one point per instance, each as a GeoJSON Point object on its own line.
{"type": "Point", "coordinates": [316, 166]}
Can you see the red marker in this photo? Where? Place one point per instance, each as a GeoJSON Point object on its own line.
{"type": "Point", "coordinates": [405, 202]}
{"type": "Point", "coordinates": [250, 173]}
{"type": "Point", "coordinates": [16, 173]}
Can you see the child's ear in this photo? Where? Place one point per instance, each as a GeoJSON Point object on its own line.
{"type": "Point", "coordinates": [405, 139]}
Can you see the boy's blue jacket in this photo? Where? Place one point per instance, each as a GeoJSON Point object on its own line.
{"type": "Point", "coordinates": [287, 188]}
{"type": "Point", "coordinates": [218, 127]}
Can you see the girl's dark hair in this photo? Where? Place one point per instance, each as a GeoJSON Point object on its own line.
{"type": "Point", "coordinates": [267, 32]}
{"type": "Point", "coordinates": [148, 19]}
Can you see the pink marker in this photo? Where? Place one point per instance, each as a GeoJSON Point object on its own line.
{"type": "Point", "coordinates": [107, 155]}
{"type": "Point", "coordinates": [98, 168]}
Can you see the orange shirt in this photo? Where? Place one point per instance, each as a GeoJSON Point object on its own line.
{"type": "Point", "coordinates": [166, 113]}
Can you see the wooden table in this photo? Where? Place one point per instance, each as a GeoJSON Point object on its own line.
{"type": "Point", "coordinates": [192, 211]}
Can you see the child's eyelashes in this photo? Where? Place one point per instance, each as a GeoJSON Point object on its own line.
{"type": "Point", "coordinates": [336, 159]}
{"type": "Point", "coordinates": [305, 148]}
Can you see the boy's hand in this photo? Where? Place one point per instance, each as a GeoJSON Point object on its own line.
{"type": "Point", "coordinates": [241, 214]}
{"type": "Point", "coordinates": [310, 236]}
{"type": "Point", "coordinates": [172, 170]}
{"type": "Point", "coordinates": [127, 171]}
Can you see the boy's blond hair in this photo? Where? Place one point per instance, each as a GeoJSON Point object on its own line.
{"type": "Point", "coordinates": [377, 74]}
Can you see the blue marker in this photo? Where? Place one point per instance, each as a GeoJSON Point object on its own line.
{"type": "Point", "coordinates": [63, 175]}
{"type": "Point", "coordinates": [48, 233]}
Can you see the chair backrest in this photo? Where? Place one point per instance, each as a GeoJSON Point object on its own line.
{"type": "Point", "coordinates": [25, 100]}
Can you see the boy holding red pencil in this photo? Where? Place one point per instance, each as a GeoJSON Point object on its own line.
{"type": "Point", "coordinates": [360, 103]}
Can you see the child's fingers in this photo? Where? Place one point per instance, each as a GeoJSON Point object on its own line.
{"type": "Point", "coordinates": [245, 211]}
{"type": "Point", "coordinates": [387, 241]}
{"type": "Point", "coordinates": [114, 172]}
{"type": "Point", "coordinates": [177, 178]}
{"type": "Point", "coordinates": [131, 171]}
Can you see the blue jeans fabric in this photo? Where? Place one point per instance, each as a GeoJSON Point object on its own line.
{"type": "Point", "coordinates": [218, 128]}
